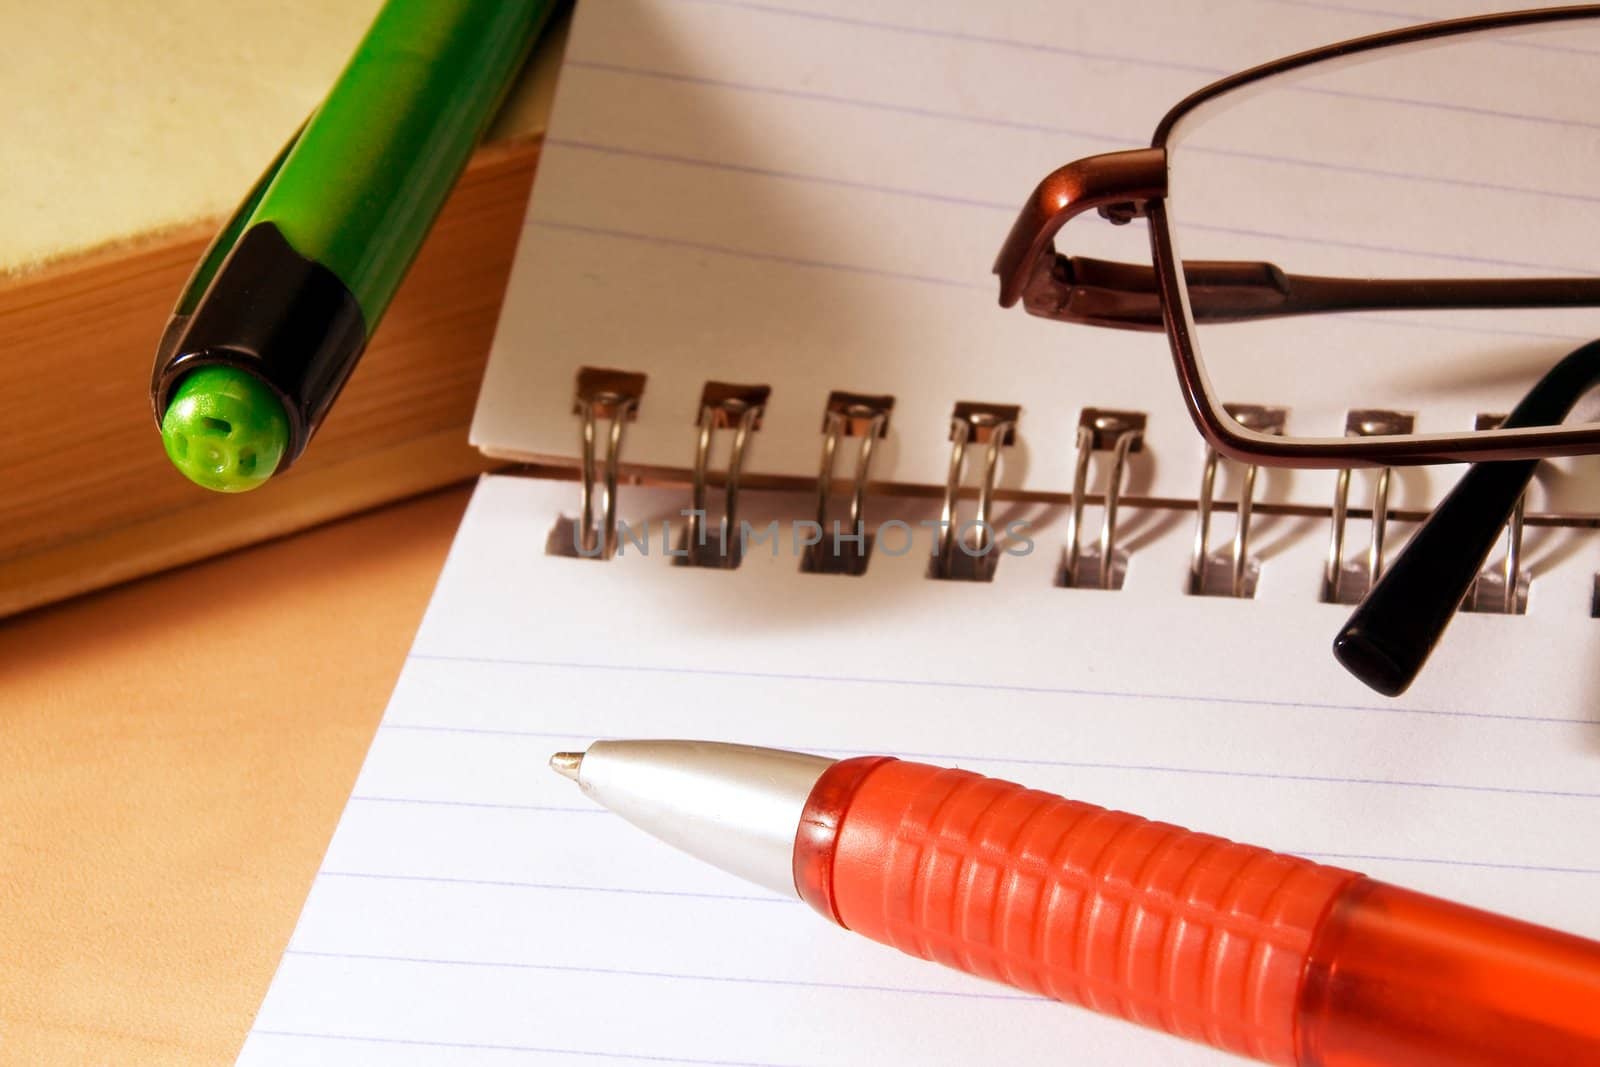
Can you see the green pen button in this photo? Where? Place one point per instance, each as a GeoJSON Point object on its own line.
{"type": "Point", "coordinates": [225, 430]}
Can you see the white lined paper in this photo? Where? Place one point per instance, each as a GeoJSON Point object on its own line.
{"type": "Point", "coordinates": [472, 908]}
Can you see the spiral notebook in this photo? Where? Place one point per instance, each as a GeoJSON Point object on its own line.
{"type": "Point", "coordinates": [754, 274]}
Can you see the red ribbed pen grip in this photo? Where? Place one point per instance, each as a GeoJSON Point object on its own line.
{"type": "Point", "coordinates": [1176, 930]}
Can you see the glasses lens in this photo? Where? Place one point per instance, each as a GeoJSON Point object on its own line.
{"type": "Point", "coordinates": [1437, 205]}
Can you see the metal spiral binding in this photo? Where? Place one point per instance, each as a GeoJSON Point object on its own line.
{"type": "Point", "coordinates": [1238, 572]}
{"type": "Point", "coordinates": [1099, 430]}
{"type": "Point", "coordinates": [1502, 590]}
{"type": "Point", "coordinates": [847, 415]}
{"type": "Point", "coordinates": [722, 406]}
{"type": "Point", "coordinates": [966, 551]}
{"type": "Point", "coordinates": [601, 394]}
{"type": "Point", "coordinates": [1347, 583]}
{"type": "Point", "coordinates": [993, 425]}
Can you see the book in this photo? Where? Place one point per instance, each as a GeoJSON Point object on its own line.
{"type": "Point", "coordinates": [754, 275]}
{"type": "Point", "coordinates": [89, 498]}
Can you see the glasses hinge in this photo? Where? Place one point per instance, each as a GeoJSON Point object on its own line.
{"type": "Point", "coordinates": [1125, 212]}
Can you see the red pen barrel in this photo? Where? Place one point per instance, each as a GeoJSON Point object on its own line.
{"type": "Point", "coordinates": [1397, 977]}
{"type": "Point", "coordinates": [1259, 953]}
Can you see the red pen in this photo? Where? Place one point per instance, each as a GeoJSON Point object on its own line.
{"type": "Point", "coordinates": [1259, 953]}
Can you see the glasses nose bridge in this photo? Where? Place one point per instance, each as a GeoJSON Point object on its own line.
{"type": "Point", "coordinates": [1119, 184]}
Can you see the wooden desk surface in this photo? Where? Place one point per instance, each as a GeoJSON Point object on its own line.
{"type": "Point", "coordinates": [174, 755]}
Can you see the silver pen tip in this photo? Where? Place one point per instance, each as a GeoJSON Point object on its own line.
{"type": "Point", "coordinates": [566, 764]}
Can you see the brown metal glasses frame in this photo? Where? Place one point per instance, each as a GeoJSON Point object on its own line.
{"type": "Point", "coordinates": [1123, 186]}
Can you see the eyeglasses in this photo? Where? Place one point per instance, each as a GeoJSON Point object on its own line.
{"type": "Point", "coordinates": [1436, 190]}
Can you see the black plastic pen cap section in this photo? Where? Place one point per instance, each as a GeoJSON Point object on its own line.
{"type": "Point", "coordinates": [286, 320]}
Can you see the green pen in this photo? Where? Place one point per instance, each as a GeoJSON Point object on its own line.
{"type": "Point", "coordinates": [281, 306]}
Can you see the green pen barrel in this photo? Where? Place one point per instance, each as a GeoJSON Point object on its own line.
{"type": "Point", "coordinates": [362, 185]}
{"type": "Point", "coordinates": [282, 305]}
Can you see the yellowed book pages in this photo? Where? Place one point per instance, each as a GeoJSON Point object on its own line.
{"type": "Point", "coordinates": [126, 121]}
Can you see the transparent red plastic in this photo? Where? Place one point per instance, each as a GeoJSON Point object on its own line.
{"type": "Point", "coordinates": [1263, 954]}
{"type": "Point", "coordinates": [1400, 978]}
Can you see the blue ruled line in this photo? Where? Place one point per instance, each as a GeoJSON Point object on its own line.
{"type": "Point", "coordinates": [492, 883]}
{"type": "Point", "coordinates": [546, 1050]}
{"type": "Point", "coordinates": [1209, 72]}
{"type": "Point", "coordinates": [430, 802]}
{"type": "Point", "coordinates": [852, 987]}
{"type": "Point", "coordinates": [968, 758]}
{"type": "Point", "coordinates": [1413, 16]}
{"type": "Point", "coordinates": [967, 37]}
{"type": "Point", "coordinates": [995, 687]}
{"type": "Point", "coordinates": [765, 257]}
{"type": "Point", "coordinates": [1535, 868]}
